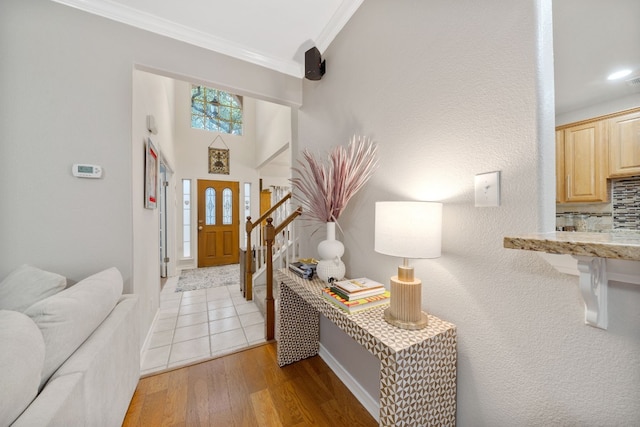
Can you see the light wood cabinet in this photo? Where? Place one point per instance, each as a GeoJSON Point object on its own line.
{"type": "Point", "coordinates": [560, 176]}
{"type": "Point", "coordinates": [624, 145]}
{"type": "Point", "coordinates": [582, 163]}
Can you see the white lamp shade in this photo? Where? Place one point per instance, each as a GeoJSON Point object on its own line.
{"type": "Point", "coordinates": [408, 229]}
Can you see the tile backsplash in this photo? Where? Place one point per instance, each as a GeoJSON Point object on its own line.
{"type": "Point", "coordinates": [622, 213]}
{"type": "Point", "coordinates": [625, 197]}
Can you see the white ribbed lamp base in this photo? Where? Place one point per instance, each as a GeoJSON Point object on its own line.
{"type": "Point", "coordinates": [406, 301]}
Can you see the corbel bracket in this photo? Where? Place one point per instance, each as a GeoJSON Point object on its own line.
{"type": "Point", "coordinates": [593, 287]}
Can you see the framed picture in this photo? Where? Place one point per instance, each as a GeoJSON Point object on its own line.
{"type": "Point", "coordinates": [151, 166]}
{"type": "Point", "coordinates": [219, 160]}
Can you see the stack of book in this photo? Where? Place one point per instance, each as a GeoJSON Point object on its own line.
{"type": "Point", "coordinates": [356, 294]}
{"type": "Point", "coordinates": [306, 270]}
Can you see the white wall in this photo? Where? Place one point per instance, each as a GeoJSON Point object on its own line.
{"type": "Point", "coordinates": [449, 90]}
{"type": "Point", "coordinates": [273, 125]}
{"type": "Point", "coordinates": [273, 150]}
{"type": "Point", "coordinates": [66, 79]}
{"type": "Point", "coordinates": [151, 95]}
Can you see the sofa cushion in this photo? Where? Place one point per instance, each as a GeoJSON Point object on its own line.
{"type": "Point", "coordinates": [67, 318]}
{"type": "Point", "coordinates": [21, 360]}
{"type": "Point", "coordinates": [27, 285]}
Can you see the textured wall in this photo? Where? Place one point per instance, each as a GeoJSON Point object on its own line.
{"type": "Point", "coordinates": [151, 94]}
{"type": "Point", "coordinates": [450, 90]}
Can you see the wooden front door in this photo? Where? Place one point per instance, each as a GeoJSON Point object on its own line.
{"type": "Point", "coordinates": [265, 205]}
{"type": "Point", "coordinates": [218, 223]}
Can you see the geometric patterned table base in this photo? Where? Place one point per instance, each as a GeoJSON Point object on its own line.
{"type": "Point", "coordinates": [299, 329]}
{"type": "Point", "coordinates": [417, 368]}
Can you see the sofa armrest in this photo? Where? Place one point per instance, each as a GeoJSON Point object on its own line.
{"type": "Point", "coordinates": [108, 367]}
{"type": "Point", "coordinates": [58, 404]}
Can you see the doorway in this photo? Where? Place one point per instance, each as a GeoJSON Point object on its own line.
{"type": "Point", "coordinates": [218, 223]}
{"type": "Point", "coordinates": [165, 177]}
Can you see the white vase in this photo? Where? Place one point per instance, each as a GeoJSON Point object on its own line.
{"type": "Point", "coordinates": [330, 252]}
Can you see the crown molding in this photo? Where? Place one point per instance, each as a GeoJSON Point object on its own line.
{"type": "Point", "coordinates": [336, 23]}
{"type": "Point", "coordinates": [164, 27]}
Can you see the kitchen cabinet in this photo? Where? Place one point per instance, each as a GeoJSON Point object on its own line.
{"type": "Point", "coordinates": [624, 145]}
{"type": "Point", "coordinates": [582, 162]}
{"type": "Point", "coordinates": [560, 176]}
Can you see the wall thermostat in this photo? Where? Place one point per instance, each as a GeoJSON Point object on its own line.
{"type": "Point", "coordinates": [86, 171]}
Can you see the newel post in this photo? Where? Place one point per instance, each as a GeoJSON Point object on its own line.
{"type": "Point", "coordinates": [269, 302]}
{"type": "Point", "coordinates": [247, 292]}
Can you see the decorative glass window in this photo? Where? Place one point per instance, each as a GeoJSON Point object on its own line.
{"type": "Point", "coordinates": [186, 218]}
{"type": "Point", "coordinates": [210, 206]}
{"type": "Point", "coordinates": [215, 110]}
{"type": "Point", "coordinates": [227, 206]}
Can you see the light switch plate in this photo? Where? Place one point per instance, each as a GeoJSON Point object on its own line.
{"type": "Point", "coordinates": [487, 189]}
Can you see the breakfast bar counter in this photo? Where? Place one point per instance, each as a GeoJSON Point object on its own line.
{"type": "Point", "coordinates": [615, 245]}
{"type": "Point", "coordinates": [600, 257]}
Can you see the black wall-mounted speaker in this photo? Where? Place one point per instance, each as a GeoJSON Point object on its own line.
{"type": "Point", "coordinates": [314, 66]}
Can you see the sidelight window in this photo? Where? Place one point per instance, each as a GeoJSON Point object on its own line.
{"type": "Point", "coordinates": [186, 218]}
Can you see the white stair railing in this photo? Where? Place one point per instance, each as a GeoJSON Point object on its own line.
{"type": "Point", "coordinates": [271, 233]}
{"type": "Point", "coordinates": [285, 245]}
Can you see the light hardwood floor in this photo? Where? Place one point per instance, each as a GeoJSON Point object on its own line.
{"type": "Point", "coordinates": [247, 389]}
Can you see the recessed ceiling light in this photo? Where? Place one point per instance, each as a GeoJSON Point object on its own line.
{"type": "Point", "coordinates": [619, 74]}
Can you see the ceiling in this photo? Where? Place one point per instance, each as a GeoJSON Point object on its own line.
{"type": "Point", "coordinates": [271, 33]}
{"type": "Point", "coordinates": [592, 38]}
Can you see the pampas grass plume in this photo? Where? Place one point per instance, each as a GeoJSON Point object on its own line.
{"type": "Point", "coordinates": [324, 189]}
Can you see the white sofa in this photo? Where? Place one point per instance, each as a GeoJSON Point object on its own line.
{"type": "Point", "coordinates": [68, 356]}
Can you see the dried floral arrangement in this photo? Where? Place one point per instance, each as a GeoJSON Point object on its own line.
{"type": "Point", "coordinates": [324, 189]}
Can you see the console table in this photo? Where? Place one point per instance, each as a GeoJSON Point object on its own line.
{"type": "Point", "coordinates": [417, 368]}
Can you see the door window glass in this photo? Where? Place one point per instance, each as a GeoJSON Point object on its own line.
{"type": "Point", "coordinates": [210, 206]}
{"type": "Point", "coordinates": [227, 206]}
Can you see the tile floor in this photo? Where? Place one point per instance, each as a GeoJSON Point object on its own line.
{"type": "Point", "coordinates": [198, 325]}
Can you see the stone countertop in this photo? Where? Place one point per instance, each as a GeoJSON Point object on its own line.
{"type": "Point", "coordinates": [615, 245]}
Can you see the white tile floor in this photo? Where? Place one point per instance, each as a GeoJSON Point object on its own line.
{"type": "Point", "coordinates": [199, 325]}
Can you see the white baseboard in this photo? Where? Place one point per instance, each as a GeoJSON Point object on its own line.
{"type": "Point", "coordinates": [147, 339]}
{"type": "Point", "coordinates": [369, 403]}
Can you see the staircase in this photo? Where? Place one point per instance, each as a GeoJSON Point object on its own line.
{"type": "Point", "coordinates": [280, 246]}
{"type": "Point", "coordinates": [260, 285]}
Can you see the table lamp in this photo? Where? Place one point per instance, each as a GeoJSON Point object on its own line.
{"type": "Point", "coordinates": [407, 230]}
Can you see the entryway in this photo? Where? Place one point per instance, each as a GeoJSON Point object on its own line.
{"type": "Point", "coordinates": [218, 223]}
{"type": "Point", "coordinates": [198, 325]}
